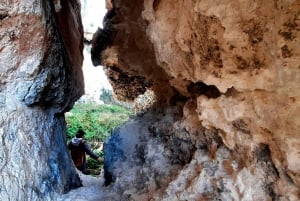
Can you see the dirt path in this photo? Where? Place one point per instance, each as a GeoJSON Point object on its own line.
{"type": "Point", "coordinates": [92, 190]}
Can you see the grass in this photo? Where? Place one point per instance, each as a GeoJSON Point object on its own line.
{"type": "Point", "coordinates": [96, 120]}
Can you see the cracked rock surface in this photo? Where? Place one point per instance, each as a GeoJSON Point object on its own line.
{"type": "Point", "coordinates": [225, 75]}
{"type": "Point", "coordinates": [40, 79]}
{"type": "Point", "coordinates": [231, 70]}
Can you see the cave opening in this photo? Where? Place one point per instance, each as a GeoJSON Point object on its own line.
{"type": "Point", "coordinates": [214, 133]}
{"type": "Point", "coordinates": [98, 90]}
{"type": "Point", "coordinates": [96, 113]}
{"type": "Point", "coordinates": [95, 80]}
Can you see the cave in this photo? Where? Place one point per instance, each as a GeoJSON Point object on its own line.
{"type": "Point", "coordinates": [225, 123]}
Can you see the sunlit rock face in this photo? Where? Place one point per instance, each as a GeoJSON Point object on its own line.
{"type": "Point", "coordinates": [231, 70]}
{"type": "Point", "coordinates": [40, 57]}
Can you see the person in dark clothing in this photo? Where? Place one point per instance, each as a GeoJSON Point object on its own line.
{"type": "Point", "coordinates": [78, 149]}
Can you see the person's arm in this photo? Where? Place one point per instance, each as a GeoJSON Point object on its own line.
{"type": "Point", "coordinates": [90, 152]}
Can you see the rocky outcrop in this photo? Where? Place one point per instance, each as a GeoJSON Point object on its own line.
{"type": "Point", "coordinates": [41, 56]}
{"type": "Point", "coordinates": [225, 75]}
{"type": "Point", "coordinates": [231, 71]}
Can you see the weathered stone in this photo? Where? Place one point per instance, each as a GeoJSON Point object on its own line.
{"type": "Point", "coordinates": [232, 69]}
{"type": "Point", "coordinates": [225, 75]}
{"type": "Point", "coordinates": [41, 57]}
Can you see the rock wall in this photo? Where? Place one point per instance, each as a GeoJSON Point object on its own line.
{"type": "Point", "coordinates": [40, 78]}
{"type": "Point", "coordinates": [225, 75]}
{"type": "Point", "coordinates": [231, 71]}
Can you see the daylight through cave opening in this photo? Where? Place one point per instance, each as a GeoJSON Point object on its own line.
{"type": "Point", "coordinates": [92, 14]}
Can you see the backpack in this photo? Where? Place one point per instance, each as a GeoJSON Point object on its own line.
{"type": "Point", "coordinates": [77, 154]}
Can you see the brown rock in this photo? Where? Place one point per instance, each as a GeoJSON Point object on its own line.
{"type": "Point", "coordinates": [41, 78]}
{"type": "Point", "coordinates": [240, 61]}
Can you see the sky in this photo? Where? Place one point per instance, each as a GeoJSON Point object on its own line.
{"type": "Point", "coordinates": [92, 12]}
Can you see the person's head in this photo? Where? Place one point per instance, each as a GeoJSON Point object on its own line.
{"type": "Point", "coordinates": [80, 133]}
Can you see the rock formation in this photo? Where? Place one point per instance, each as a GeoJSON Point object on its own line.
{"type": "Point", "coordinates": [226, 76]}
{"type": "Point", "coordinates": [40, 78]}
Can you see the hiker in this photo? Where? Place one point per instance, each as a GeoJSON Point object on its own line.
{"type": "Point", "coordinates": [78, 147]}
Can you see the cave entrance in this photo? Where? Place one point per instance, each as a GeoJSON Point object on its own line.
{"type": "Point", "coordinates": [96, 82]}
{"type": "Point", "coordinates": [97, 113]}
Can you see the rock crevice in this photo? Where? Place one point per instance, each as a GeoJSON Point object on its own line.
{"type": "Point", "coordinates": [225, 74]}
{"type": "Point", "coordinates": [230, 69]}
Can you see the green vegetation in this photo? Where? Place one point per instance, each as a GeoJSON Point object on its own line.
{"type": "Point", "coordinates": [96, 120]}
{"type": "Point", "coordinates": [94, 166]}
{"type": "Point", "coordinates": [107, 96]}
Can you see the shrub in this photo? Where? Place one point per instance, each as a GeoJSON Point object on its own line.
{"type": "Point", "coordinates": [96, 120]}
{"type": "Point", "coordinates": [106, 96]}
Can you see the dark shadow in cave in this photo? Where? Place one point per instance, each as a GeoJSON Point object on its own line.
{"type": "Point", "coordinates": [200, 88]}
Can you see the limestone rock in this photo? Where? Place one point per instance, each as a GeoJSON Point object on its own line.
{"type": "Point", "coordinates": [40, 71]}
{"type": "Point", "coordinates": [225, 75]}
{"type": "Point", "coordinates": [232, 69]}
